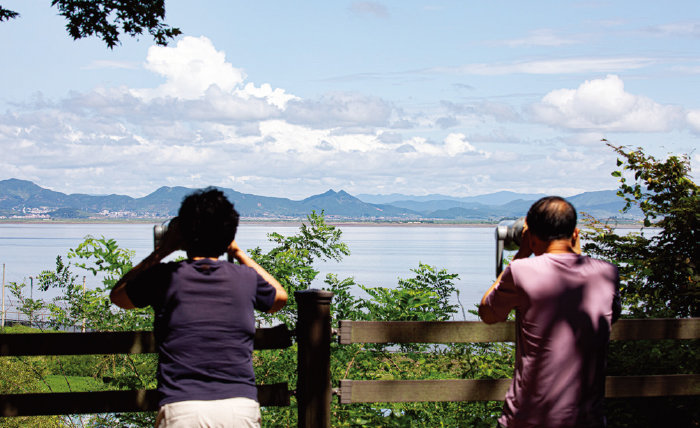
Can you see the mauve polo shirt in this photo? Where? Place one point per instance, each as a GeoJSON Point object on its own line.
{"type": "Point", "coordinates": [564, 309]}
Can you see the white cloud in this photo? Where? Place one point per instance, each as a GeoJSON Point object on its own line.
{"type": "Point", "coordinates": [369, 8]}
{"type": "Point", "coordinates": [682, 29]}
{"type": "Point", "coordinates": [456, 144]}
{"type": "Point", "coordinates": [339, 109]}
{"type": "Point", "coordinates": [277, 97]}
{"type": "Point", "coordinates": [541, 37]}
{"type": "Point", "coordinates": [603, 104]}
{"type": "Point", "coordinates": [693, 118]}
{"type": "Point", "coordinates": [213, 127]}
{"type": "Point", "coordinates": [190, 68]}
{"type": "Point", "coordinates": [553, 66]}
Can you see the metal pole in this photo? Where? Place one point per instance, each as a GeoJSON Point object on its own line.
{"type": "Point", "coordinates": [83, 305]}
{"type": "Point", "coordinates": [314, 358]}
{"type": "Point", "coordinates": [31, 297]}
{"type": "Point", "coordinates": [3, 296]}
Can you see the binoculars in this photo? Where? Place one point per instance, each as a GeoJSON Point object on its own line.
{"type": "Point", "coordinates": [158, 233]}
{"type": "Point", "coordinates": [508, 236]}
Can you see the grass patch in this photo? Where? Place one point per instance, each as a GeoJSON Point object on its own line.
{"type": "Point", "coordinates": [58, 383]}
{"type": "Point", "coordinates": [20, 329]}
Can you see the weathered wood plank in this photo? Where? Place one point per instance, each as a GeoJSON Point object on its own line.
{"type": "Point", "coordinates": [424, 332]}
{"type": "Point", "coordinates": [656, 328]}
{"type": "Point", "coordinates": [652, 386]}
{"type": "Point", "coordinates": [476, 331]}
{"type": "Point", "coordinates": [394, 391]}
{"type": "Point", "coordinates": [122, 342]}
{"type": "Point", "coordinates": [67, 403]}
{"type": "Point", "coordinates": [277, 337]}
{"type": "Point", "coordinates": [115, 342]}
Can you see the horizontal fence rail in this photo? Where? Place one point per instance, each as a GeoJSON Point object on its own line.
{"type": "Point", "coordinates": [388, 391]}
{"type": "Point", "coordinates": [110, 401]}
{"type": "Point", "coordinates": [478, 332]}
{"type": "Point", "coordinates": [116, 342]}
{"type": "Point", "coordinates": [395, 391]}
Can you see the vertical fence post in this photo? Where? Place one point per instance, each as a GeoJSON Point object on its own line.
{"type": "Point", "coordinates": [314, 358]}
{"type": "Point", "coordinates": [3, 295]}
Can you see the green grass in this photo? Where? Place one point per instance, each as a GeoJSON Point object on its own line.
{"type": "Point", "coordinates": [77, 383]}
{"type": "Point", "coordinates": [20, 329]}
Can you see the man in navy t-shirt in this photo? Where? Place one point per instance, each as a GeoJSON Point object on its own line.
{"type": "Point", "coordinates": [204, 316]}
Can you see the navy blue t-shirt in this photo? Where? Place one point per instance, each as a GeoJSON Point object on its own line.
{"type": "Point", "coordinates": [204, 325]}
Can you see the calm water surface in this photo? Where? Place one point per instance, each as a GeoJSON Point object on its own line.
{"type": "Point", "coordinates": [379, 254]}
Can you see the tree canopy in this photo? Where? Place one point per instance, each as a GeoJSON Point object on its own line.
{"type": "Point", "coordinates": [108, 19]}
{"type": "Point", "coordinates": [658, 266]}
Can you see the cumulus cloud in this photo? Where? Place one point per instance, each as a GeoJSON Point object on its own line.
{"type": "Point", "coordinates": [693, 118]}
{"type": "Point", "coordinates": [209, 124]}
{"type": "Point", "coordinates": [190, 68]}
{"type": "Point", "coordinates": [603, 104]}
{"type": "Point", "coordinates": [194, 66]}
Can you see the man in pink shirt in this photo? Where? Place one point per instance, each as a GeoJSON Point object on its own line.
{"type": "Point", "coordinates": [564, 306]}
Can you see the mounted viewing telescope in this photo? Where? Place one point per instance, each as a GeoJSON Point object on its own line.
{"type": "Point", "coordinates": [158, 232]}
{"type": "Point", "coordinates": [508, 236]}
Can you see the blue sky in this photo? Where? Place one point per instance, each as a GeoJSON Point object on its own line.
{"type": "Point", "coordinates": [293, 98]}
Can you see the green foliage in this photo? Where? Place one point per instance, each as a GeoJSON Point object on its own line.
{"type": "Point", "coordinates": [291, 260]}
{"type": "Point", "coordinates": [457, 361]}
{"type": "Point", "coordinates": [659, 279]}
{"type": "Point", "coordinates": [91, 308]}
{"type": "Point", "coordinates": [425, 297]}
{"type": "Point", "coordinates": [23, 375]}
{"type": "Point", "coordinates": [27, 305]}
{"type": "Point", "coordinates": [659, 268]}
{"type": "Point", "coordinates": [103, 256]}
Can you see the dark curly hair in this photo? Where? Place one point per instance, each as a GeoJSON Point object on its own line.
{"type": "Point", "coordinates": [551, 218]}
{"type": "Point", "coordinates": [207, 222]}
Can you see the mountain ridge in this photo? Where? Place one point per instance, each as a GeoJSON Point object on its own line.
{"type": "Point", "coordinates": [25, 199]}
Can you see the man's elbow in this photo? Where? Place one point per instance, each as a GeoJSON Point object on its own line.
{"type": "Point", "coordinates": [280, 301]}
{"type": "Point", "coordinates": [119, 297]}
{"type": "Point", "coordinates": [487, 315]}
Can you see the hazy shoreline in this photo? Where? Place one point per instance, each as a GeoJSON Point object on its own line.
{"type": "Point", "coordinates": [296, 223]}
{"type": "Point", "coordinates": [293, 223]}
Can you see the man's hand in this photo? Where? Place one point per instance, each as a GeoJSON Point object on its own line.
{"type": "Point", "coordinates": [525, 249]}
{"type": "Point", "coordinates": [172, 240]}
{"type": "Point", "coordinates": [235, 251]}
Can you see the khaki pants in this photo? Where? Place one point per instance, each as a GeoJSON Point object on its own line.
{"type": "Point", "coordinates": [231, 412]}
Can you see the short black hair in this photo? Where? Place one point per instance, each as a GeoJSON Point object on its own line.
{"type": "Point", "coordinates": [207, 222]}
{"type": "Point", "coordinates": [551, 218]}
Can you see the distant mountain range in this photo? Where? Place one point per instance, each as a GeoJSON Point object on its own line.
{"type": "Point", "coordinates": [24, 199]}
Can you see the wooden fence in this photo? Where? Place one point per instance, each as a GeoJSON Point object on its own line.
{"type": "Point", "coordinates": [313, 335]}
{"type": "Point", "coordinates": [368, 391]}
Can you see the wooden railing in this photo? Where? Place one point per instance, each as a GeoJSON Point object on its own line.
{"type": "Point", "coordinates": [127, 342]}
{"type": "Point", "coordinates": [368, 391]}
{"type": "Point", "coordinates": [313, 335]}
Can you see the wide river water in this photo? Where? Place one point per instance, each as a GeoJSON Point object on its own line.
{"type": "Point", "coordinates": [379, 254]}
